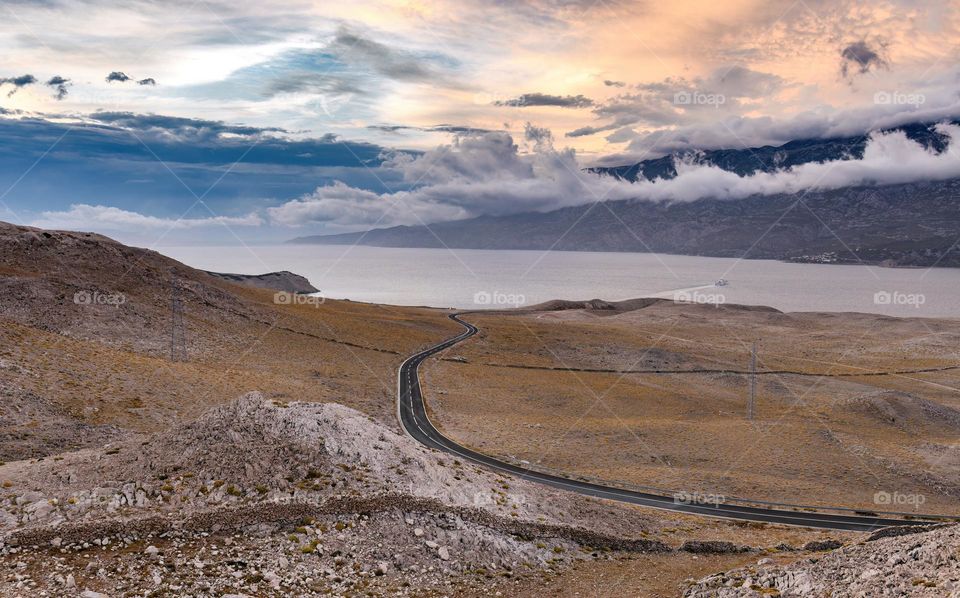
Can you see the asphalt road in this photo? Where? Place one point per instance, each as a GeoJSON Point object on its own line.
{"type": "Point", "coordinates": [413, 418]}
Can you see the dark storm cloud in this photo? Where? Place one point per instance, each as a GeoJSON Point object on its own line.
{"type": "Point", "coordinates": [17, 82]}
{"type": "Point", "coordinates": [147, 81]}
{"type": "Point", "coordinates": [117, 76]}
{"type": "Point", "coordinates": [545, 99]}
{"type": "Point", "coordinates": [59, 84]}
{"type": "Point", "coordinates": [859, 58]}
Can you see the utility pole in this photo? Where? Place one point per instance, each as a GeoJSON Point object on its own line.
{"type": "Point", "coordinates": [178, 335]}
{"type": "Point", "coordinates": [753, 381]}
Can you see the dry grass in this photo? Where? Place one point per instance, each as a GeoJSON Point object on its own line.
{"type": "Point", "coordinates": [340, 351]}
{"type": "Point", "coordinates": [817, 438]}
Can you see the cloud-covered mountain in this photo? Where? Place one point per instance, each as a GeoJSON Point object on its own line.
{"type": "Point", "coordinates": [749, 161]}
{"type": "Point", "coordinates": [888, 197]}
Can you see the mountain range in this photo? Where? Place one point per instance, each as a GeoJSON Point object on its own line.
{"type": "Point", "coordinates": [912, 224]}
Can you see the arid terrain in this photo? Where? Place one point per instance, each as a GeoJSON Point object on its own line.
{"type": "Point", "coordinates": [270, 462]}
{"type": "Point", "coordinates": [655, 393]}
{"type": "Point", "coordinates": [70, 347]}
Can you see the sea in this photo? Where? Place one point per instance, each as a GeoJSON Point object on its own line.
{"type": "Point", "coordinates": [497, 279]}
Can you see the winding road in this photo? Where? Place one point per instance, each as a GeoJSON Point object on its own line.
{"type": "Point", "coordinates": [413, 417]}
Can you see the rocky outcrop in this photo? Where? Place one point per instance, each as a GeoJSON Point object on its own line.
{"type": "Point", "coordinates": [284, 280]}
{"type": "Point", "coordinates": [919, 564]}
{"type": "Point", "coordinates": [338, 498]}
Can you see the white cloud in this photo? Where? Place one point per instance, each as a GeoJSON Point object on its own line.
{"type": "Point", "coordinates": [480, 174]}
{"type": "Point", "coordinates": [85, 217]}
{"type": "Point", "coordinates": [933, 98]}
{"type": "Point", "coordinates": [888, 159]}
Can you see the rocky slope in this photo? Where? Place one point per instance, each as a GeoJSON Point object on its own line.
{"type": "Point", "coordinates": [85, 327]}
{"type": "Point", "coordinates": [90, 287]}
{"type": "Point", "coordinates": [310, 497]}
{"type": "Point", "coordinates": [32, 425]}
{"type": "Point", "coordinates": [921, 564]}
{"type": "Point", "coordinates": [276, 281]}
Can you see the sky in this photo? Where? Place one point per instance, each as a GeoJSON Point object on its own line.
{"type": "Point", "coordinates": [206, 121]}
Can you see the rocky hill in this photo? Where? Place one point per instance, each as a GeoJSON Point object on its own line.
{"type": "Point", "coordinates": [266, 498]}
{"type": "Point", "coordinates": [921, 564]}
{"type": "Point", "coordinates": [278, 281]}
{"type": "Point", "coordinates": [85, 333]}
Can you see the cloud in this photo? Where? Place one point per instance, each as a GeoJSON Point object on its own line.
{"type": "Point", "coordinates": [60, 86]}
{"type": "Point", "coordinates": [676, 101]}
{"type": "Point", "coordinates": [859, 58]}
{"type": "Point", "coordinates": [818, 122]}
{"type": "Point", "coordinates": [130, 161]}
{"type": "Point", "coordinates": [741, 82]}
{"type": "Point", "coordinates": [17, 82]}
{"type": "Point", "coordinates": [121, 77]}
{"type": "Point", "coordinates": [610, 83]}
{"type": "Point", "coordinates": [544, 99]}
{"type": "Point", "coordinates": [540, 136]}
{"type": "Point", "coordinates": [454, 129]}
{"type": "Point", "coordinates": [357, 49]}
{"type": "Point", "coordinates": [341, 204]}
{"type": "Point", "coordinates": [180, 128]}
{"type": "Point", "coordinates": [487, 175]}
{"type": "Point", "coordinates": [474, 175]}
{"type": "Point", "coordinates": [117, 76]}
{"type": "Point", "coordinates": [97, 217]}
{"type": "Point", "coordinates": [888, 159]}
